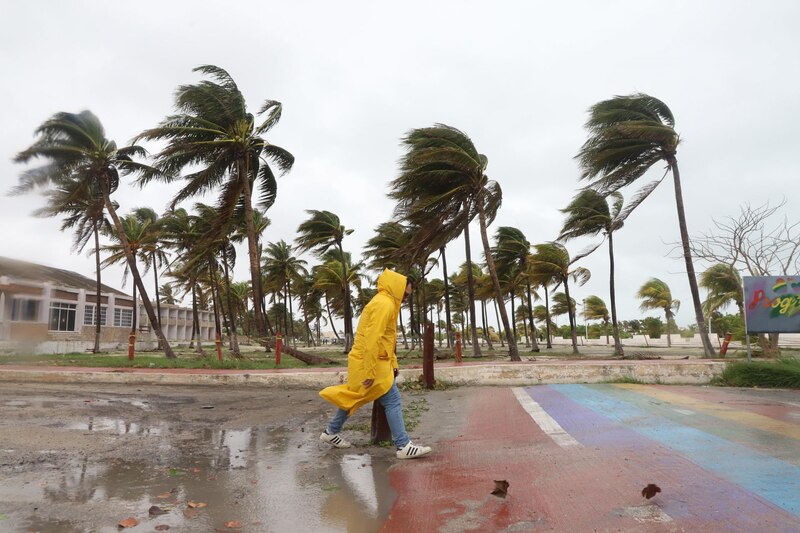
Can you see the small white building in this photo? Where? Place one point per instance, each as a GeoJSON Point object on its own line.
{"type": "Point", "coordinates": [51, 310]}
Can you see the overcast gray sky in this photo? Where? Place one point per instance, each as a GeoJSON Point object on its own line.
{"type": "Point", "coordinates": [517, 77]}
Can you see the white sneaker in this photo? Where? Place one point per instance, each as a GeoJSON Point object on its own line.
{"type": "Point", "coordinates": [334, 440]}
{"type": "Point", "coordinates": [412, 451]}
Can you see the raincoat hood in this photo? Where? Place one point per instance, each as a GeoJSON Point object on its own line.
{"type": "Point", "coordinates": [393, 283]}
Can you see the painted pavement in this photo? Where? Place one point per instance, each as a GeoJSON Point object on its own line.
{"type": "Point", "coordinates": [577, 457]}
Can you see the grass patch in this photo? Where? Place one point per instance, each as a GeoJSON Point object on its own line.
{"type": "Point", "coordinates": [781, 373]}
{"type": "Point", "coordinates": [184, 359]}
{"type": "Point", "coordinates": [412, 412]}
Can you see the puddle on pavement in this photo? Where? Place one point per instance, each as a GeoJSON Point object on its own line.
{"type": "Point", "coordinates": [267, 479]}
{"type": "Point", "coordinates": [114, 426]}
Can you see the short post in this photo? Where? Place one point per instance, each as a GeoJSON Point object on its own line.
{"type": "Point", "coordinates": [131, 345]}
{"type": "Point", "coordinates": [278, 348]}
{"type": "Point", "coordinates": [219, 347]}
{"type": "Point", "coordinates": [379, 428]}
{"type": "Point", "coordinates": [724, 349]}
{"type": "Point", "coordinates": [458, 348]}
{"type": "Point", "coordinates": [427, 356]}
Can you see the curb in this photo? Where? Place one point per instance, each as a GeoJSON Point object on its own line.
{"type": "Point", "coordinates": [503, 374]}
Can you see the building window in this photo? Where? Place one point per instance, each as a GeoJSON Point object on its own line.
{"type": "Point", "coordinates": [123, 317]}
{"type": "Point", "coordinates": [24, 310]}
{"type": "Point", "coordinates": [89, 317]}
{"type": "Point", "coordinates": [62, 316]}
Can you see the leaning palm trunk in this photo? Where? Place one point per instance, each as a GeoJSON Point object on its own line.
{"type": "Point", "coordinates": [530, 320]}
{"type": "Point", "coordinates": [252, 250]}
{"type": "Point", "coordinates": [614, 324]}
{"type": "Point", "coordinates": [669, 337]}
{"type": "Point", "coordinates": [571, 315]}
{"type": "Point", "coordinates": [476, 349]}
{"type": "Point", "coordinates": [99, 287]}
{"type": "Point", "coordinates": [547, 317]}
{"type": "Point", "coordinates": [196, 320]}
{"type": "Point", "coordinates": [137, 279]}
{"type": "Point", "coordinates": [158, 296]}
{"type": "Point", "coordinates": [446, 299]}
{"type": "Point", "coordinates": [512, 343]}
{"type": "Point", "coordinates": [499, 326]}
{"type": "Point", "coordinates": [231, 311]}
{"type": "Point", "coordinates": [708, 349]}
{"type": "Point", "coordinates": [330, 317]}
{"type": "Point", "coordinates": [348, 313]}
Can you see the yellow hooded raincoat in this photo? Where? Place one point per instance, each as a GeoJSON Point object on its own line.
{"type": "Point", "coordinates": [373, 354]}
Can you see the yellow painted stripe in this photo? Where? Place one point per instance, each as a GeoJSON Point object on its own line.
{"type": "Point", "coordinates": [748, 418]}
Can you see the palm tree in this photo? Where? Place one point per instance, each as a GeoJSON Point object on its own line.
{"type": "Point", "coordinates": [724, 285]}
{"type": "Point", "coordinates": [542, 314]}
{"type": "Point", "coordinates": [153, 254]}
{"type": "Point", "coordinates": [442, 186]}
{"type": "Point", "coordinates": [321, 232]}
{"type": "Point", "coordinates": [213, 130]}
{"type": "Point", "coordinates": [655, 294]}
{"type": "Point", "coordinates": [282, 268]}
{"type": "Point", "coordinates": [589, 214]}
{"type": "Point", "coordinates": [594, 308]}
{"type": "Point", "coordinates": [83, 210]}
{"type": "Point", "coordinates": [75, 147]}
{"type": "Point", "coordinates": [513, 248]}
{"type": "Point", "coordinates": [627, 136]}
{"type": "Point", "coordinates": [552, 261]}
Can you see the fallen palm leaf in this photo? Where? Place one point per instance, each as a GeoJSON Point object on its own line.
{"type": "Point", "coordinates": [196, 505]}
{"type": "Point", "coordinates": [155, 510]}
{"type": "Point", "coordinates": [162, 527]}
{"type": "Point", "coordinates": [500, 488]}
{"type": "Point", "coordinates": [128, 522]}
{"type": "Point", "coordinates": [650, 490]}
{"type": "Point", "coordinates": [233, 524]}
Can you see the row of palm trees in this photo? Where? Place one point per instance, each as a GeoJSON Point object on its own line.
{"type": "Point", "coordinates": [212, 144]}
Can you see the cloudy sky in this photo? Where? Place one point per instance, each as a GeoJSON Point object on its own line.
{"type": "Point", "coordinates": [518, 77]}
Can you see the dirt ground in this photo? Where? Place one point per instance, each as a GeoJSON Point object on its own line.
{"type": "Point", "coordinates": [76, 458]}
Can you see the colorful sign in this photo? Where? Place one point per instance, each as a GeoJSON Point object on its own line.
{"type": "Point", "coordinates": [772, 304]}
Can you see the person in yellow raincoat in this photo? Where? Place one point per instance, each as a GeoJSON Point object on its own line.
{"type": "Point", "coordinates": [372, 368]}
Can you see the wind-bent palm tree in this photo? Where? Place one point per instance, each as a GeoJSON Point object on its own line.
{"type": "Point", "coordinates": [552, 261]}
{"type": "Point", "coordinates": [320, 233]}
{"type": "Point", "coordinates": [283, 268]}
{"type": "Point", "coordinates": [560, 305]}
{"type": "Point", "coordinates": [442, 186]}
{"type": "Point", "coordinates": [83, 210]}
{"type": "Point", "coordinates": [589, 214]}
{"type": "Point", "coordinates": [627, 136]}
{"type": "Point", "coordinates": [153, 254]}
{"type": "Point", "coordinates": [74, 146]}
{"type": "Point", "coordinates": [594, 308]}
{"type": "Point", "coordinates": [724, 285]}
{"type": "Point", "coordinates": [214, 131]}
{"type": "Point", "coordinates": [655, 294]}
{"type": "Point", "coordinates": [512, 247]}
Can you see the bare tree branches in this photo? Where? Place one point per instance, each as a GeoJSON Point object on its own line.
{"type": "Point", "coordinates": [752, 242]}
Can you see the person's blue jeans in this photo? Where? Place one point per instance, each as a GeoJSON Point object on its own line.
{"type": "Point", "coordinates": [393, 406]}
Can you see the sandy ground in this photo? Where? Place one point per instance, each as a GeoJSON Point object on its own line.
{"type": "Point", "coordinates": [77, 458]}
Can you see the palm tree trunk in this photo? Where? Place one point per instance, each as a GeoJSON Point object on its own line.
{"type": "Point", "coordinates": [525, 328]}
{"type": "Point", "coordinates": [135, 314]}
{"type": "Point", "coordinates": [137, 278]}
{"type": "Point", "coordinates": [330, 317]}
{"type": "Point", "coordinates": [231, 310]}
{"type": "Point", "coordinates": [403, 329]}
{"type": "Point", "coordinates": [571, 315]}
{"type": "Point", "coordinates": [512, 343]}
{"type": "Point", "coordinates": [158, 296]}
{"type": "Point", "coordinates": [530, 319]}
{"type": "Point", "coordinates": [411, 322]}
{"type": "Point", "coordinates": [669, 338]}
{"type": "Point", "coordinates": [476, 349]}
{"type": "Point", "coordinates": [252, 250]}
{"type": "Point", "coordinates": [446, 298]}
{"type": "Point", "coordinates": [439, 323]}
{"type": "Point", "coordinates": [348, 314]}
{"type": "Point", "coordinates": [499, 326]}
{"type": "Point", "coordinates": [514, 317]}
{"type": "Point", "coordinates": [484, 321]}
{"type": "Point", "coordinates": [98, 288]}
{"type": "Point", "coordinates": [548, 320]}
{"type": "Point", "coordinates": [708, 348]}
{"type": "Point", "coordinates": [196, 320]}
{"type": "Point", "coordinates": [214, 300]}
{"type": "Point", "coordinates": [614, 324]}
{"type": "Point", "coordinates": [291, 311]}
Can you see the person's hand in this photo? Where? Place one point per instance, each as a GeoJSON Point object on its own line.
{"type": "Point", "coordinates": [368, 383]}
{"type": "Point", "coordinates": [396, 372]}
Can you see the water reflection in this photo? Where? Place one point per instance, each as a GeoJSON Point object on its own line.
{"type": "Point", "coordinates": [271, 479]}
